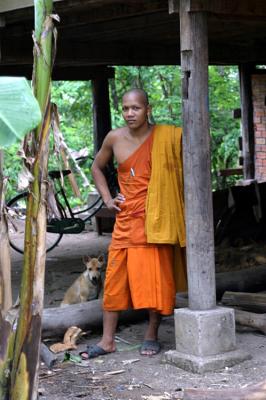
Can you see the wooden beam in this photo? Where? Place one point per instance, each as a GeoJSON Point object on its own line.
{"type": "Point", "coordinates": [223, 7]}
{"type": "Point", "coordinates": [256, 8]}
{"type": "Point", "coordinates": [73, 53]}
{"type": "Point", "coordinates": [71, 73]}
{"type": "Point", "coordinates": [129, 53]}
{"type": "Point", "coordinates": [85, 13]}
{"type": "Point", "coordinates": [231, 171]}
{"type": "Point", "coordinates": [11, 5]}
{"type": "Point", "coordinates": [146, 25]}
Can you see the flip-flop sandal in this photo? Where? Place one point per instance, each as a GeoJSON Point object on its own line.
{"type": "Point", "coordinates": [93, 352]}
{"type": "Point", "coordinates": [152, 346]}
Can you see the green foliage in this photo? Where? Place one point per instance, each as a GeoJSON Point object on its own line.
{"type": "Point", "coordinates": [225, 130]}
{"type": "Point", "coordinates": [19, 110]}
{"type": "Point", "coordinates": [163, 84]}
{"type": "Point", "coordinates": [74, 102]}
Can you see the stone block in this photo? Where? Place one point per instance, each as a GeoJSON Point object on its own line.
{"type": "Point", "coordinates": [205, 333]}
{"type": "Point", "coordinates": [200, 365]}
{"type": "Point", "coordinates": [205, 340]}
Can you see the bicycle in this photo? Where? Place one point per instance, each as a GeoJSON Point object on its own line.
{"type": "Point", "coordinates": [67, 220]}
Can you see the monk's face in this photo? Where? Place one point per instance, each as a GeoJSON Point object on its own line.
{"type": "Point", "coordinates": [135, 110]}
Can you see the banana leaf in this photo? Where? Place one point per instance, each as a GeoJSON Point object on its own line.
{"type": "Point", "coordinates": [19, 110]}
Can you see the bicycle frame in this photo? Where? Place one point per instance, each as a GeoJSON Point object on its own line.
{"type": "Point", "coordinates": [98, 202]}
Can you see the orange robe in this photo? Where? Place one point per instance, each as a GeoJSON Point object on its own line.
{"type": "Point", "coordinates": [139, 275]}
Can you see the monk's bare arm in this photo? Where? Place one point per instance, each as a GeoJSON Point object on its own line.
{"type": "Point", "coordinates": [101, 160]}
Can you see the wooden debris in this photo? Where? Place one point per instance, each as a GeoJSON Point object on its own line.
{"type": "Point", "coordinates": [158, 397]}
{"type": "Point", "coordinates": [249, 301]}
{"type": "Point", "coordinates": [47, 356]}
{"type": "Point", "coordinates": [120, 371]}
{"type": "Point", "coordinates": [245, 280]}
{"type": "Point", "coordinates": [119, 339]}
{"type": "Point", "coordinates": [69, 342]}
{"type": "Point", "coordinates": [256, 321]}
{"type": "Point", "coordinates": [134, 360]}
{"type": "Point", "coordinates": [245, 318]}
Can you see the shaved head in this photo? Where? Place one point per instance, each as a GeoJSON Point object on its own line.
{"type": "Point", "coordinates": [139, 92]}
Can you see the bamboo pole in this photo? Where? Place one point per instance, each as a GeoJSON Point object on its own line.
{"type": "Point", "coordinates": [24, 373]}
{"type": "Point", "coordinates": [5, 260]}
{"type": "Point", "coordinates": [6, 331]}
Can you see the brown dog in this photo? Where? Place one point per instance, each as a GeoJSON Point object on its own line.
{"type": "Point", "coordinates": [88, 285]}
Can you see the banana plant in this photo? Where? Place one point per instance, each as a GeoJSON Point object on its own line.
{"type": "Point", "coordinates": [19, 113]}
{"type": "Point", "coordinates": [19, 360]}
{"type": "Point", "coordinates": [19, 110]}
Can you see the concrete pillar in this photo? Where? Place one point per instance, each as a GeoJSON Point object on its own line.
{"type": "Point", "coordinates": [205, 335]}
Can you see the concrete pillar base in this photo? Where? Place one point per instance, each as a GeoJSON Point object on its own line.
{"type": "Point", "coordinates": [205, 340]}
{"type": "Point", "coordinates": [200, 365]}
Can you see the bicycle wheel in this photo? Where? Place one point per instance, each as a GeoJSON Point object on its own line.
{"type": "Point", "coordinates": [16, 225]}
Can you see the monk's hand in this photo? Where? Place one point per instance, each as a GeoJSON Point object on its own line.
{"type": "Point", "coordinates": [114, 204]}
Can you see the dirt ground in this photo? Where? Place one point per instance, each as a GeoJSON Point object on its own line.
{"type": "Point", "coordinates": [125, 374]}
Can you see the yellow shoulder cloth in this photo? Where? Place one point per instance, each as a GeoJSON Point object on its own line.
{"type": "Point", "coordinates": [165, 199]}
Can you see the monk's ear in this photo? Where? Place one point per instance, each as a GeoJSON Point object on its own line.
{"type": "Point", "coordinates": [149, 111]}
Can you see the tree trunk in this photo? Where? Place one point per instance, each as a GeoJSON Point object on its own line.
{"type": "Point", "coordinates": [255, 321]}
{"type": "Point", "coordinates": [249, 301]}
{"type": "Point", "coordinates": [84, 315]}
{"type": "Point", "coordinates": [24, 374]}
{"type": "Point", "coordinates": [249, 279]}
{"type": "Point", "coordinates": [89, 316]}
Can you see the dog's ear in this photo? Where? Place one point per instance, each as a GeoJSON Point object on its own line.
{"type": "Point", "coordinates": [86, 259]}
{"type": "Point", "coordinates": [101, 258]}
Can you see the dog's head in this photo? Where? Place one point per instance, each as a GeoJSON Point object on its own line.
{"type": "Point", "coordinates": [94, 267]}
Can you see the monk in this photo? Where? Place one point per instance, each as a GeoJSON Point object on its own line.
{"type": "Point", "coordinates": [139, 274]}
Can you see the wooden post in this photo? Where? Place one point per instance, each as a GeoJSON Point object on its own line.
{"type": "Point", "coordinates": [102, 115]}
{"type": "Point", "coordinates": [245, 71]}
{"type": "Point", "coordinates": [101, 110]}
{"type": "Point", "coordinates": [205, 334]}
{"type": "Point", "coordinates": [197, 165]}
